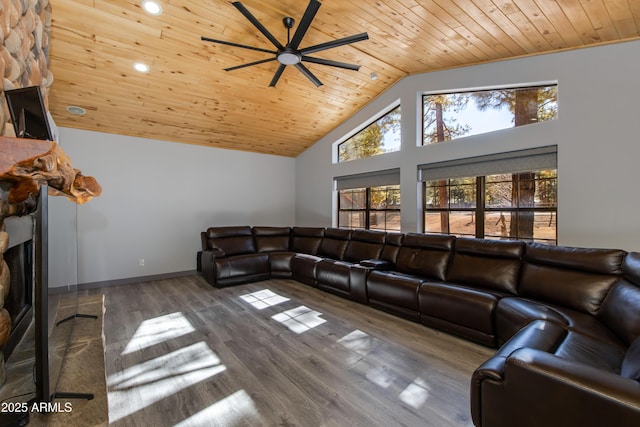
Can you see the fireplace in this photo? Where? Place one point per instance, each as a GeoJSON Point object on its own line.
{"type": "Point", "coordinates": [19, 259]}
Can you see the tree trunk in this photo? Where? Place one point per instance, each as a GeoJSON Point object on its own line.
{"type": "Point", "coordinates": [523, 188]}
{"type": "Point", "coordinates": [443, 196]}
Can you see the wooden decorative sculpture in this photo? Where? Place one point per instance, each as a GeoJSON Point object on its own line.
{"type": "Point", "coordinates": [26, 165]}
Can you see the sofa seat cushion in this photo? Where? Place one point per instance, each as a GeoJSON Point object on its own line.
{"type": "Point", "coordinates": [513, 313]}
{"type": "Point", "coordinates": [241, 265]}
{"type": "Point", "coordinates": [394, 292]}
{"type": "Point", "coordinates": [461, 305]}
{"type": "Point", "coordinates": [586, 349]}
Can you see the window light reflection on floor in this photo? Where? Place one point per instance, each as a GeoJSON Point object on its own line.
{"type": "Point", "coordinates": [416, 393]}
{"type": "Point", "coordinates": [359, 342]}
{"type": "Point", "coordinates": [151, 381]}
{"type": "Point", "coordinates": [158, 330]}
{"type": "Point", "coordinates": [381, 376]}
{"type": "Point", "coordinates": [236, 409]}
{"type": "Point", "coordinates": [299, 319]}
{"type": "Point", "coordinates": [263, 299]}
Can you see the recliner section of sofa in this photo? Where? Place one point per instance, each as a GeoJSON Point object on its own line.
{"type": "Point", "coordinates": [566, 321]}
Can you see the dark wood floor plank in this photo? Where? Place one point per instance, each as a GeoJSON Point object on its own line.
{"type": "Point", "coordinates": [179, 352]}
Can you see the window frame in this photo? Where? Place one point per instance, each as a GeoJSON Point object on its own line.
{"type": "Point", "coordinates": [525, 86]}
{"type": "Point", "coordinates": [386, 111]}
{"type": "Point", "coordinates": [480, 210]}
{"type": "Point", "coordinates": [368, 209]}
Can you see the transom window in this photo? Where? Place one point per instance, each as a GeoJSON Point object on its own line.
{"type": "Point", "coordinates": [379, 137]}
{"type": "Point", "coordinates": [449, 116]}
{"type": "Point", "coordinates": [375, 208]}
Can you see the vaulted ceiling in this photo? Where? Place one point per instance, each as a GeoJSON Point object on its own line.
{"type": "Point", "coordinates": [187, 97]}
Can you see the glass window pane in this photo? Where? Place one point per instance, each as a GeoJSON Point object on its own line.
{"type": "Point", "coordinates": [353, 199]}
{"type": "Point", "coordinates": [387, 197]}
{"type": "Point", "coordinates": [381, 136]}
{"type": "Point", "coordinates": [462, 193]}
{"type": "Point", "coordinates": [498, 191]}
{"type": "Point", "coordinates": [545, 227]}
{"type": "Point", "coordinates": [455, 115]}
{"type": "Point", "coordinates": [436, 222]}
{"type": "Point", "coordinates": [497, 225]}
{"type": "Point", "coordinates": [462, 223]}
{"type": "Point", "coordinates": [546, 189]}
{"type": "Point", "coordinates": [351, 219]}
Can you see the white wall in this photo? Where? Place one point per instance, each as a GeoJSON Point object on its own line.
{"type": "Point", "coordinates": [597, 133]}
{"type": "Point", "coordinates": [158, 196]}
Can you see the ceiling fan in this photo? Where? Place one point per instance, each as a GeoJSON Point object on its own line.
{"type": "Point", "coordinates": [291, 54]}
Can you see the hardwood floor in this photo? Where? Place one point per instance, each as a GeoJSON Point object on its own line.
{"type": "Point", "coordinates": [179, 352]}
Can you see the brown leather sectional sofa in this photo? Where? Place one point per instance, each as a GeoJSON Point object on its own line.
{"type": "Point", "coordinates": [565, 321]}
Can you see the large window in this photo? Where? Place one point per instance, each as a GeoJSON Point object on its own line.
{"type": "Point", "coordinates": [519, 206]}
{"type": "Point", "coordinates": [375, 208]}
{"type": "Point", "coordinates": [381, 136]}
{"type": "Point", "coordinates": [455, 115]}
{"type": "Point", "coordinates": [479, 197]}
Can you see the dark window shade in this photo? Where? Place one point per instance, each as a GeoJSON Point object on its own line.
{"type": "Point", "coordinates": [529, 160]}
{"type": "Point", "coordinates": [368, 179]}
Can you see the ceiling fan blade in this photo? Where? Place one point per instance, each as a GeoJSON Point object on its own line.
{"type": "Point", "coordinates": [335, 43]}
{"type": "Point", "coordinates": [257, 24]}
{"type": "Point", "coordinates": [304, 24]}
{"type": "Point", "coordinates": [277, 75]}
{"type": "Point", "coordinates": [244, 46]}
{"type": "Point", "coordinates": [323, 61]}
{"type": "Point", "coordinates": [249, 64]}
{"type": "Point", "coordinates": [304, 70]}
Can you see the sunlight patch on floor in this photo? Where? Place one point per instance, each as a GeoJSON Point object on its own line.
{"type": "Point", "coordinates": [236, 409]}
{"type": "Point", "coordinates": [299, 319]}
{"type": "Point", "coordinates": [148, 382]}
{"type": "Point", "coordinates": [381, 376]}
{"type": "Point", "coordinates": [358, 341]}
{"type": "Point", "coordinates": [263, 299]}
{"type": "Point", "coordinates": [158, 330]}
{"type": "Point", "coordinates": [416, 393]}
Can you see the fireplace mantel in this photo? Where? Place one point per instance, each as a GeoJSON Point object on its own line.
{"type": "Point", "coordinates": [25, 166]}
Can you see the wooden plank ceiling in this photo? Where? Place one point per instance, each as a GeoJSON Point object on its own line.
{"type": "Point", "coordinates": [186, 96]}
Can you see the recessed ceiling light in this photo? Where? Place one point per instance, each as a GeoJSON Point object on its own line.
{"type": "Point", "coordinates": [139, 66]}
{"type": "Point", "coordinates": [152, 7]}
{"type": "Point", "coordinates": [74, 109]}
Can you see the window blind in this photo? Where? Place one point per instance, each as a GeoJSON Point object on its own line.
{"type": "Point", "coordinates": [529, 160]}
{"type": "Point", "coordinates": [368, 179]}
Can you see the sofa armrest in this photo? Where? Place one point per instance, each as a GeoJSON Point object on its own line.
{"type": "Point", "coordinates": [377, 264]}
{"type": "Point", "coordinates": [213, 253]}
{"type": "Point", "coordinates": [532, 388]}
{"type": "Point", "coordinates": [207, 264]}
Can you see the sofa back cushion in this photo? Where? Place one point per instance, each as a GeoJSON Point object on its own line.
{"type": "Point", "coordinates": [631, 363]}
{"type": "Point", "coordinates": [306, 240]}
{"type": "Point", "coordinates": [231, 240]}
{"type": "Point", "coordinates": [392, 245]}
{"type": "Point", "coordinates": [620, 310]}
{"type": "Point", "coordinates": [364, 244]}
{"type": "Point", "coordinates": [425, 255]}
{"type": "Point", "coordinates": [577, 278]}
{"type": "Point", "coordinates": [334, 242]}
{"type": "Point", "coordinates": [271, 239]}
{"type": "Point", "coordinates": [489, 264]}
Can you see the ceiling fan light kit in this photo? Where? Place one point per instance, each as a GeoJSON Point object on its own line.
{"type": "Point", "coordinates": [290, 53]}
